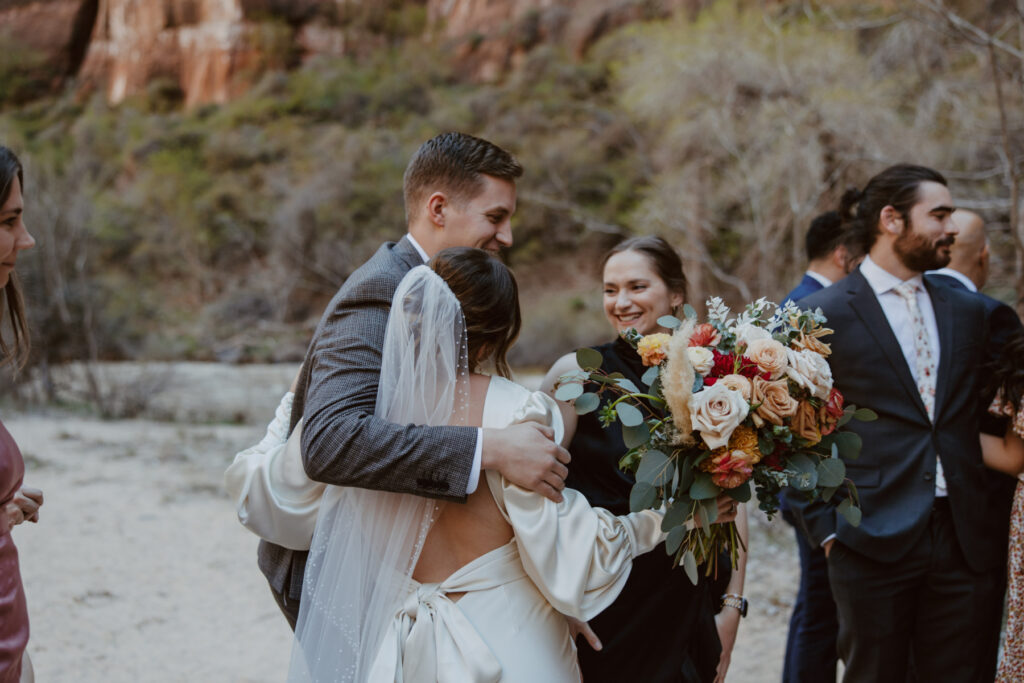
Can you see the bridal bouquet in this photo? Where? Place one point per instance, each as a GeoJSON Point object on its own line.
{"type": "Point", "coordinates": [729, 405]}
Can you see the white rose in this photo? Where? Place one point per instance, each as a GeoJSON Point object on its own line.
{"type": "Point", "coordinates": [811, 371]}
{"type": "Point", "coordinates": [701, 359]}
{"type": "Point", "coordinates": [716, 412]}
{"type": "Point", "coordinates": [748, 332]}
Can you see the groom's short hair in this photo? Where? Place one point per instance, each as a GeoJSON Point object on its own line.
{"type": "Point", "coordinates": [453, 163]}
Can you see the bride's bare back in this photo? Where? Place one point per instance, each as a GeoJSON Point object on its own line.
{"type": "Point", "coordinates": [464, 532]}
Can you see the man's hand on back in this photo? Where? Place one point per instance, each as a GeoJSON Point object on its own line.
{"type": "Point", "coordinates": [527, 455]}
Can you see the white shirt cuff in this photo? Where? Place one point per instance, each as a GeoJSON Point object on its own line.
{"type": "Point", "coordinates": [478, 454]}
{"type": "Point", "coordinates": [830, 537]}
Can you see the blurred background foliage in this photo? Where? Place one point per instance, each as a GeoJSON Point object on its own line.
{"type": "Point", "coordinates": [220, 232]}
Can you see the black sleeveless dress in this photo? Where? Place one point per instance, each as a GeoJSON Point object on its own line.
{"type": "Point", "coordinates": [661, 629]}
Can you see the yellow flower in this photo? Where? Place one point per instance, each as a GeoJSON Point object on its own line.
{"type": "Point", "coordinates": [653, 348]}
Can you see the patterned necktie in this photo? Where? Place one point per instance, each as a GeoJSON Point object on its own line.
{"type": "Point", "coordinates": [925, 365]}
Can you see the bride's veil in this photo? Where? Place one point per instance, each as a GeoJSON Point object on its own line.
{"type": "Point", "coordinates": [367, 543]}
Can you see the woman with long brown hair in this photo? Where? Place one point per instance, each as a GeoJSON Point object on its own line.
{"type": "Point", "coordinates": [17, 503]}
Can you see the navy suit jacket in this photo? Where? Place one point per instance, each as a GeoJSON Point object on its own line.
{"type": "Point", "coordinates": [808, 285]}
{"type": "Point", "coordinates": [895, 473]}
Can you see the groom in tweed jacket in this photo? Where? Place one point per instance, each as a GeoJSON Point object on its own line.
{"type": "Point", "coordinates": [459, 191]}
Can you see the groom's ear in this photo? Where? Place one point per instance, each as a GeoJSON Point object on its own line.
{"type": "Point", "coordinates": [436, 205]}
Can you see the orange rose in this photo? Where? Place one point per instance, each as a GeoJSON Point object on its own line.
{"type": "Point", "coordinates": [805, 423]}
{"type": "Point", "coordinates": [705, 334]}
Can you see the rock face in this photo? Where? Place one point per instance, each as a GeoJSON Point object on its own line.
{"type": "Point", "coordinates": [212, 50]}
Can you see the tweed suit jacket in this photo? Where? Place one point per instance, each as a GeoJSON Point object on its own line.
{"type": "Point", "coordinates": [895, 473]}
{"type": "Point", "coordinates": [343, 443]}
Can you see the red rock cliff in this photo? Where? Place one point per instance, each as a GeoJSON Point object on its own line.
{"type": "Point", "coordinates": [213, 49]}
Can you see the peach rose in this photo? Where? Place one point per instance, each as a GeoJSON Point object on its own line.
{"type": "Point", "coordinates": [811, 371]}
{"type": "Point", "coordinates": [705, 334]}
{"type": "Point", "coordinates": [701, 359]}
{"type": "Point", "coordinates": [738, 383]}
{"type": "Point", "coordinates": [653, 348]}
{"type": "Point", "coordinates": [805, 423]}
{"type": "Point", "coordinates": [715, 412]}
{"type": "Point", "coordinates": [775, 402]}
{"type": "Point", "coordinates": [769, 356]}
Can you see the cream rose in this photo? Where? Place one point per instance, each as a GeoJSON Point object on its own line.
{"type": "Point", "coordinates": [701, 359]}
{"type": "Point", "coordinates": [811, 371]}
{"type": "Point", "coordinates": [769, 356]}
{"type": "Point", "coordinates": [716, 412]}
{"type": "Point", "coordinates": [748, 333]}
{"type": "Point", "coordinates": [737, 383]}
{"type": "Point", "coordinates": [774, 400]}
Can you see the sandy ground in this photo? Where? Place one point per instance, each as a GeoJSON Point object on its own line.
{"type": "Point", "coordinates": [139, 570]}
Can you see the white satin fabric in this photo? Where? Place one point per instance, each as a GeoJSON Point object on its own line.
{"type": "Point", "coordinates": [273, 496]}
{"type": "Point", "coordinates": [567, 557]}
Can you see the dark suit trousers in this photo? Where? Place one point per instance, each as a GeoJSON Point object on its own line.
{"type": "Point", "coordinates": [811, 654]}
{"type": "Point", "coordinates": [924, 618]}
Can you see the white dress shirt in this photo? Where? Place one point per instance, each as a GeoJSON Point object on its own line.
{"type": "Point", "coordinates": [956, 275]}
{"type": "Point", "coordinates": [894, 306]}
{"type": "Point", "coordinates": [478, 454]}
{"type": "Point", "coordinates": [819, 278]}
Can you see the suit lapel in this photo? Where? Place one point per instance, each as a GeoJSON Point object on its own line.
{"type": "Point", "coordinates": [943, 308]}
{"type": "Point", "coordinates": [865, 304]}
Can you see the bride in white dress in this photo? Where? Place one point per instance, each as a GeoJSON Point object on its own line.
{"type": "Point", "coordinates": [403, 588]}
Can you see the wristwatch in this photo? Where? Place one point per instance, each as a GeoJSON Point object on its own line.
{"type": "Point", "coordinates": [737, 601]}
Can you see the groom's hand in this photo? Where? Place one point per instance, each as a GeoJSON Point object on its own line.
{"type": "Point", "coordinates": [527, 455]}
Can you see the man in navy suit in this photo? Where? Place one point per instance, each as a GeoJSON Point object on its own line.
{"type": "Point", "coordinates": [915, 583]}
{"type": "Point", "coordinates": [811, 643]}
{"type": "Point", "coordinates": [968, 270]}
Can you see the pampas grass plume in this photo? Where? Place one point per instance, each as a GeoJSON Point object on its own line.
{"type": "Point", "coordinates": [677, 380]}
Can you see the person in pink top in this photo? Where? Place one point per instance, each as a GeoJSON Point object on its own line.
{"type": "Point", "coordinates": [17, 503]}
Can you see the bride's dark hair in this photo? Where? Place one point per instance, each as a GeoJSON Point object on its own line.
{"type": "Point", "coordinates": [489, 296]}
{"type": "Point", "coordinates": [1007, 372]}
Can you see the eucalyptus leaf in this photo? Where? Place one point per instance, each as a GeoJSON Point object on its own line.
{"type": "Point", "coordinates": [741, 493]}
{"type": "Point", "coordinates": [850, 511]}
{"type": "Point", "coordinates": [655, 468]}
{"type": "Point", "coordinates": [670, 321]}
{"type": "Point", "coordinates": [831, 472]}
{"type": "Point", "coordinates": [686, 473]}
{"type": "Point", "coordinates": [629, 415]}
{"type": "Point", "coordinates": [849, 445]}
{"type": "Point", "coordinates": [587, 403]}
{"type": "Point", "coordinates": [703, 488]}
{"type": "Point", "coordinates": [636, 436]}
{"type": "Point", "coordinates": [804, 472]}
{"type": "Point", "coordinates": [844, 419]}
{"type": "Point", "coordinates": [865, 415]}
{"type": "Point", "coordinates": [676, 515]}
{"type": "Point", "coordinates": [828, 492]}
{"type": "Point", "coordinates": [641, 496]}
{"type": "Point", "coordinates": [675, 539]}
{"type": "Point", "coordinates": [650, 375]}
{"type": "Point", "coordinates": [689, 311]}
{"type": "Point", "coordinates": [709, 512]}
{"type": "Point", "coordinates": [628, 385]}
{"type": "Point", "coordinates": [568, 392]}
{"type": "Point", "coordinates": [698, 384]}
{"type": "Point", "coordinates": [588, 358]}
{"type": "Point", "coordinates": [690, 566]}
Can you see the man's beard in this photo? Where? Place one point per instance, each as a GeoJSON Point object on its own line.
{"type": "Point", "coordinates": [918, 254]}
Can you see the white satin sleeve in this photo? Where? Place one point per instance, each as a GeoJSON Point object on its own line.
{"type": "Point", "coordinates": [273, 496]}
{"type": "Point", "coordinates": [578, 556]}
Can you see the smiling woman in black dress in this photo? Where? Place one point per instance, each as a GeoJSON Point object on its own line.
{"type": "Point", "coordinates": [662, 628]}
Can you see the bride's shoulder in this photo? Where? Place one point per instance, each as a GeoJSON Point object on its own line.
{"type": "Point", "coordinates": [509, 402]}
